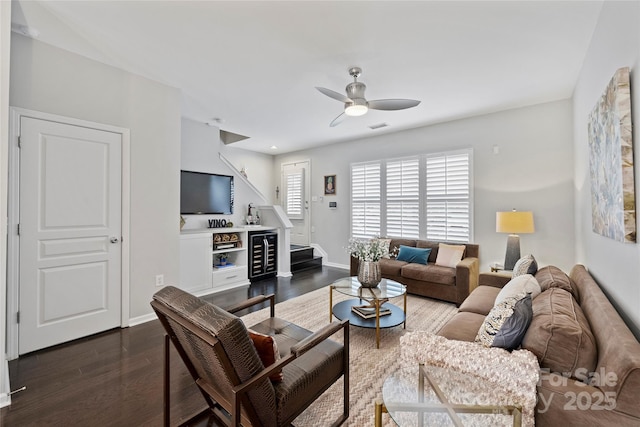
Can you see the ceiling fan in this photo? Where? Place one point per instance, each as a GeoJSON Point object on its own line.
{"type": "Point", "coordinates": [355, 103]}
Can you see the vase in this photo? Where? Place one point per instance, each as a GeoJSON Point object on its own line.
{"type": "Point", "coordinates": [369, 274]}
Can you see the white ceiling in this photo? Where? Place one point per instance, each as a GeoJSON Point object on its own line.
{"type": "Point", "coordinates": [255, 64]}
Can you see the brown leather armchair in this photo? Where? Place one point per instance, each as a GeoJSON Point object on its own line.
{"type": "Point", "coordinates": [216, 348]}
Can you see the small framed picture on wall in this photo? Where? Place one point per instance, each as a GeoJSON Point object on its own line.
{"type": "Point", "coordinates": [329, 185]}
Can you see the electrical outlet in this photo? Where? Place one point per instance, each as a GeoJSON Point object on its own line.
{"type": "Point", "coordinates": [160, 280]}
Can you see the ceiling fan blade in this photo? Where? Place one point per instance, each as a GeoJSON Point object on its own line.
{"type": "Point", "coordinates": [392, 104]}
{"type": "Point", "coordinates": [333, 94]}
{"type": "Point", "coordinates": [338, 120]}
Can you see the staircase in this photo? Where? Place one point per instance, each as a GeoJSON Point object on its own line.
{"type": "Point", "coordinates": [302, 258]}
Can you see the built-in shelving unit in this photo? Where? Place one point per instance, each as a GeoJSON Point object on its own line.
{"type": "Point", "coordinates": [200, 269]}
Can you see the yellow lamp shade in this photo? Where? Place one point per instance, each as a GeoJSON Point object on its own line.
{"type": "Point", "coordinates": [514, 222]}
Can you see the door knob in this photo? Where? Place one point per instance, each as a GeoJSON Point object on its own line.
{"type": "Point", "coordinates": [114, 240]}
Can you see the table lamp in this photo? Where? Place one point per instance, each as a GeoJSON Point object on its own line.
{"type": "Point", "coordinates": [513, 223]}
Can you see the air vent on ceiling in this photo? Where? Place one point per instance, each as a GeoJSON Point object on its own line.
{"type": "Point", "coordinates": [230, 137]}
{"type": "Point", "coordinates": [378, 126]}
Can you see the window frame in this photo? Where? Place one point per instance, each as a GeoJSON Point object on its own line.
{"type": "Point", "coordinates": [422, 194]}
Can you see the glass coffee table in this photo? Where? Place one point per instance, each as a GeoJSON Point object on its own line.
{"type": "Point", "coordinates": [371, 302]}
{"type": "Point", "coordinates": [440, 396]}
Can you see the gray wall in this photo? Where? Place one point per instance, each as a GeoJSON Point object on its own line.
{"type": "Point", "coordinates": [532, 171]}
{"type": "Point", "coordinates": [51, 80]}
{"type": "Point", "coordinates": [615, 44]}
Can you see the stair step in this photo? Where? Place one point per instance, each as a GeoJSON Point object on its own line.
{"type": "Point", "coordinates": [304, 253]}
{"type": "Point", "coordinates": [306, 264]}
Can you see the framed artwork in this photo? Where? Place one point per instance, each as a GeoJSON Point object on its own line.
{"type": "Point", "coordinates": [613, 211]}
{"type": "Point", "coordinates": [329, 185]}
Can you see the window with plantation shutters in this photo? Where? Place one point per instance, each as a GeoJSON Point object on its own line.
{"type": "Point", "coordinates": [448, 201]}
{"type": "Point", "coordinates": [365, 200]}
{"type": "Point", "coordinates": [294, 193]}
{"type": "Point", "coordinates": [403, 198]}
{"type": "Point", "coordinates": [421, 197]}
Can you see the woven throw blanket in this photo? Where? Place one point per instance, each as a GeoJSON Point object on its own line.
{"type": "Point", "coordinates": [511, 377]}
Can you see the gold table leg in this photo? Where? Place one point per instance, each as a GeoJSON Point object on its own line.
{"type": "Point", "coordinates": [380, 408]}
{"type": "Point", "coordinates": [331, 303]}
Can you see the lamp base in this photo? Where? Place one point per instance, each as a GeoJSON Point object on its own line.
{"type": "Point", "coordinates": [513, 251]}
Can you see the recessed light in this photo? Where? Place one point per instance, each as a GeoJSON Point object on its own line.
{"type": "Point", "coordinates": [273, 147]}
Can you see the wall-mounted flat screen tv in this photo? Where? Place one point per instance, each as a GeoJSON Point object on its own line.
{"type": "Point", "coordinates": [205, 193]}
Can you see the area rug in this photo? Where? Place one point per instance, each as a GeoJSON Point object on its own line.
{"type": "Point", "coordinates": [368, 366]}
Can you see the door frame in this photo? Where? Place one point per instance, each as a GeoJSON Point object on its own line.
{"type": "Point", "coordinates": [307, 190]}
{"type": "Point", "coordinates": [13, 241]}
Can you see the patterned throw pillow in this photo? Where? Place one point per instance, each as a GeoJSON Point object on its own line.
{"type": "Point", "coordinates": [507, 323]}
{"type": "Point", "coordinates": [449, 255]}
{"type": "Point", "coordinates": [525, 265]}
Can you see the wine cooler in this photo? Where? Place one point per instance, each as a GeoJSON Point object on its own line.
{"type": "Point", "coordinates": [263, 254]}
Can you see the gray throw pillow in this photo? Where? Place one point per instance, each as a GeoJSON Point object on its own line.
{"type": "Point", "coordinates": [525, 265]}
{"type": "Point", "coordinates": [515, 327]}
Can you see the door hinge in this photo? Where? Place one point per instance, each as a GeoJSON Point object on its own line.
{"type": "Point", "coordinates": [18, 317]}
{"type": "Point", "coordinates": [19, 142]}
{"type": "Point", "coordinates": [18, 229]}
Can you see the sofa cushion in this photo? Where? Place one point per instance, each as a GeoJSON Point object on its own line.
{"type": "Point", "coordinates": [449, 255]}
{"type": "Point", "coordinates": [463, 326]}
{"type": "Point", "coordinates": [519, 285]}
{"type": "Point", "coordinates": [481, 300]}
{"type": "Point", "coordinates": [501, 316]}
{"type": "Point", "coordinates": [394, 246]}
{"type": "Point", "coordinates": [391, 267]}
{"type": "Point", "coordinates": [559, 334]}
{"type": "Point", "coordinates": [429, 273]}
{"type": "Point", "coordinates": [525, 265]}
{"type": "Point", "coordinates": [552, 277]}
{"type": "Point", "coordinates": [411, 254]}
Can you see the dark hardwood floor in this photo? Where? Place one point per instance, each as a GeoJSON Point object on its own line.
{"type": "Point", "coordinates": [115, 378]}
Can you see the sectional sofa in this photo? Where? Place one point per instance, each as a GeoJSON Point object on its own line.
{"type": "Point", "coordinates": [589, 358]}
{"type": "Point", "coordinates": [431, 280]}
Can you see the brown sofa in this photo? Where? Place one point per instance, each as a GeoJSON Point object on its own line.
{"type": "Point", "coordinates": [574, 326]}
{"type": "Point", "coordinates": [433, 281]}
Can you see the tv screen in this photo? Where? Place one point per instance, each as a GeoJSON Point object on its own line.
{"type": "Point", "coordinates": [205, 193]}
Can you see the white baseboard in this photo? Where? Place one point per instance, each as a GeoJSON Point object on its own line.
{"type": "Point", "coordinates": [142, 319]}
{"type": "Point", "coordinates": [5, 398]}
{"type": "Point", "coordinates": [335, 265]}
{"type": "Point", "coordinates": [284, 274]}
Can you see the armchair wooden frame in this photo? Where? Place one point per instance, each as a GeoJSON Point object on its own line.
{"type": "Point", "coordinates": [238, 410]}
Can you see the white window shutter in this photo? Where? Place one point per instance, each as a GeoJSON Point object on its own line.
{"type": "Point", "coordinates": [365, 200]}
{"type": "Point", "coordinates": [294, 193]}
{"type": "Point", "coordinates": [403, 198]}
{"type": "Point", "coordinates": [448, 197]}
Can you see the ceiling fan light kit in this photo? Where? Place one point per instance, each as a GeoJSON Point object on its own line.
{"type": "Point", "coordinates": [355, 104]}
{"type": "Point", "coordinates": [356, 108]}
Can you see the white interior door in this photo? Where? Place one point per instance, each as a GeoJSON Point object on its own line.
{"type": "Point", "coordinates": [70, 232]}
{"type": "Point", "coordinates": [296, 200]}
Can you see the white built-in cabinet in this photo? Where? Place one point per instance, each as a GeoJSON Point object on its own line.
{"type": "Point", "coordinates": [200, 272]}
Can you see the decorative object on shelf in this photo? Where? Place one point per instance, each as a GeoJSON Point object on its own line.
{"type": "Point", "coordinates": [369, 274]}
{"type": "Point", "coordinates": [217, 223]}
{"type": "Point", "coordinates": [613, 210]}
{"type": "Point", "coordinates": [222, 258]}
{"type": "Point", "coordinates": [514, 223]}
{"type": "Point", "coordinates": [329, 185]}
{"type": "Point", "coordinates": [226, 241]}
{"type": "Point", "coordinates": [182, 222]}
{"type": "Point", "coordinates": [253, 217]}
{"type": "Point", "coordinates": [229, 224]}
